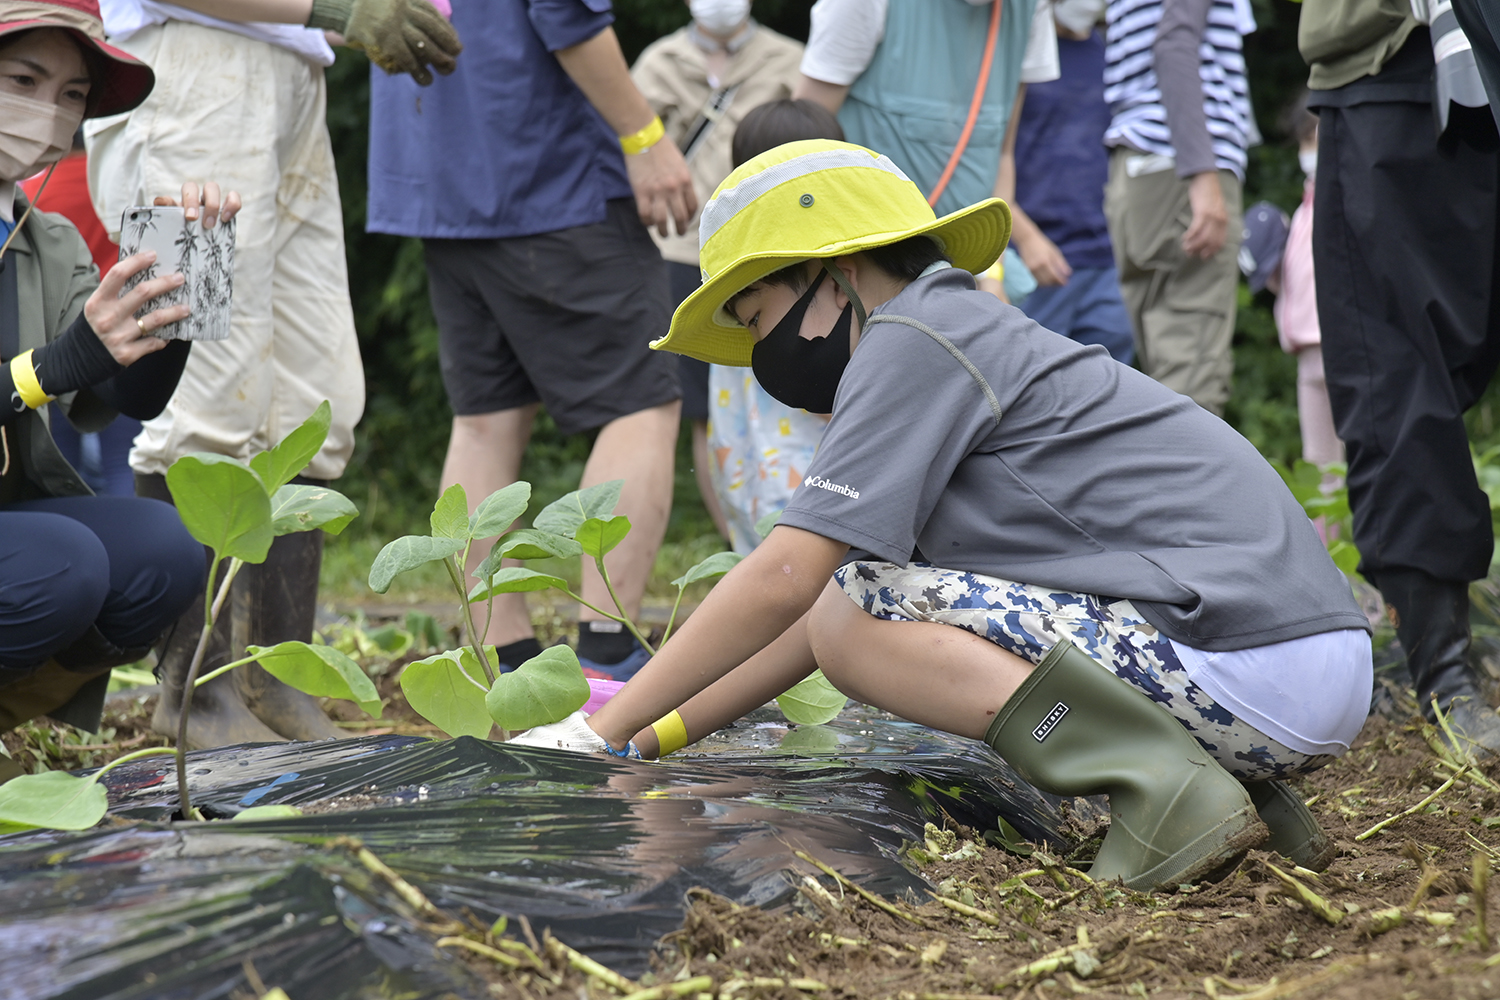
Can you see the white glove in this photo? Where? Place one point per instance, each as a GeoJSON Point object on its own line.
{"type": "Point", "coordinates": [572, 733]}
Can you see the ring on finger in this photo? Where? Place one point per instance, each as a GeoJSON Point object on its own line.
{"type": "Point", "coordinates": [142, 324]}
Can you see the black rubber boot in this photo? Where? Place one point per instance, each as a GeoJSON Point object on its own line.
{"type": "Point", "coordinates": [218, 716]}
{"type": "Point", "coordinates": [1432, 621]}
{"type": "Point", "coordinates": [1295, 833]}
{"type": "Point", "coordinates": [1074, 728]}
{"type": "Point", "coordinates": [278, 600]}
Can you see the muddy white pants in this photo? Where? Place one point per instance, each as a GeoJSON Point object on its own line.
{"type": "Point", "coordinates": [249, 115]}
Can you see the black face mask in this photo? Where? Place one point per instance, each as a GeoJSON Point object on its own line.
{"type": "Point", "coordinates": [799, 372]}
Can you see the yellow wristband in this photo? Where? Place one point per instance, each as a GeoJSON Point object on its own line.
{"type": "Point", "coordinates": [643, 140]}
{"type": "Point", "coordinates": [24, 375]}
{"type": "Point", "coordinates": [996, 270]}
{"type": "Point", "coordinates": [671, 734]}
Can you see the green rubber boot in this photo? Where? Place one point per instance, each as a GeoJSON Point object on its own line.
{"type": "Point", "coordinates": [1074, 728]}
{"type": "Point", "coordinates": [1295, 833]}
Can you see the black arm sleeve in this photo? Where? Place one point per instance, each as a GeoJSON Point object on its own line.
{"type": "Point", "coordinates": [71, 362]}
{"type": "Point", "coordinates": [142, 390]}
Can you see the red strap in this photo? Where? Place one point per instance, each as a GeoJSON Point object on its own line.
{"type": "Point", "coordinates": [974, 106]}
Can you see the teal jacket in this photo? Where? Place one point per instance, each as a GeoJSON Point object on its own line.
{"type": "Point", "coordinates": [912, 100]}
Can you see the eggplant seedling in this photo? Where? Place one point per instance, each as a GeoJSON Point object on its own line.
{"type": "Point", "coordinates": [462, 691]}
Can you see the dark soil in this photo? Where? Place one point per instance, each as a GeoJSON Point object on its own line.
{"type": "Point", "coordinates": [1408, 924]}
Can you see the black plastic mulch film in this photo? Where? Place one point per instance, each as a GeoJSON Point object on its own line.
{"type": "Point", "coordinates": [598, 850]}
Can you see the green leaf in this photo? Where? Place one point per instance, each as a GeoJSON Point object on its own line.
{"type": "Point", "coordinates": [812, 701]}
{"type": "Point", "coordinates": [409, 552]}
{"type": "Point", "coordinates": [566, 515]}
{"type": "Point", "coordinates": [448, 690]}
{"type": "Point", "coordinates": [424, 629]}
{"type": "Point", "coordinates": [223, 504]}
{"type": "Point", "coordinates": [282, 463]}
{"type": "Point", "coordinates": [266, 812]}
{"type": "Point", "coordinates": [764, 525]}
{"type": "Point", "coordinates": [500, 510]}
{"type": "Point", "coordinates": [544, 689]}
{"type": "Point", "coordinates": [450, 515]}
{"type": "Point", "coordinates": [53, 799]}
{"type": "Point", "coordinates": [303, 508]}
{"type": "Point", "coordinates": [711, 568]}
{"type": "Point", "coordinates": [529, 543]}
{"type": "Point", "coordinates": [1344, 554]}
{"type": "Point", "coordinates": [391, 639]}
{"type": "Point", "coordinates": [598, 537]}
{"type": "Point", "coordinates": [320, 671]}
{"type": "Point", "coordinates": [515, 580]}
{"type": "Point", "coordinates": [810, 741]}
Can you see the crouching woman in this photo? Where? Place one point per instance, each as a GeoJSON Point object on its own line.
{"type": "Point", "coordinates": [86, 583]}
{"type": "Point", "coordinates": [1005, 535]}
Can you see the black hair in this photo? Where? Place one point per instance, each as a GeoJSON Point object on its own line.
{"type": "Point", "coordinates": [1297, 121]}
{"type": "Point", "coordinates": [776, 123]}
{"type": "Point", "coordinates": [905, 260]}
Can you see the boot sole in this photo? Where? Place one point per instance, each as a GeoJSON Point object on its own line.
{"type": "Point", "coordinates": [1237, 834]}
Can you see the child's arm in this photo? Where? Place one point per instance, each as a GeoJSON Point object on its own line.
{"type": "Point", "coordinates": [765, 675]}
{"type": "Point", "coordinates": [755, 604]}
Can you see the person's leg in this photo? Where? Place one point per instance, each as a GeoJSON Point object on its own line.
{"type": "Point", "coordinates": [54, 579]}
{"type": "Point", "coordinates": [1054, 306]}
{"type": "Point", "coordinates": [1481, 25]}
{"type": "Point", "coordinates": [1100, 317]}
{"type": "Point", "coordinates": [1406, 350]}
{"type": "Point", "coordinates": [114, 456]}
{"type": "Point", "coordinates": [1065, 725]}
{"type": "Point", "coordinates": [484, 455]}
{"type": "Point", "coordinates": [579, 307]}
{"type": "Point", "coordinates": [1320, 441]}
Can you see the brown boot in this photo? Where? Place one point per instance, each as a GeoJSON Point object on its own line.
{"type": "Point", "coordinates": [280, 604]}
{"type": "Point", "coordinates": [218, 716]}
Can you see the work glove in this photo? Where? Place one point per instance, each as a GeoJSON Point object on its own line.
{"type": "Point", "coordinates": [572, 733]}
{"type": "Point", "coordinates": [400, 36]}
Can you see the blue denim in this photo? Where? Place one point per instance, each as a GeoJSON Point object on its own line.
{"type": "Point", "coordinates": [1088, 309]}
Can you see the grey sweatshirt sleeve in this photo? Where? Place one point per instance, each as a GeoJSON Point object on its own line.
{"type": "Point", "coordinates": [1176, 60]}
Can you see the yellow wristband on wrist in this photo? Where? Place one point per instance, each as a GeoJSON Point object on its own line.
{"type": "Point", "coordinates": [671, 733]}
{"type": "Point", "coordinates": [639, 142]}
{"type": "Point", "coordinates": [24, 375]}
{"type": "Point", "coordinates": [997, 269]}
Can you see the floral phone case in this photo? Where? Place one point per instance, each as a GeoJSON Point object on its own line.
{"type": "Point", "coordinates": [204, 256]}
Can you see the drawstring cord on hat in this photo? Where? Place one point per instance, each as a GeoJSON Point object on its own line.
{"type": "Point", "coordinates": [4, 439]}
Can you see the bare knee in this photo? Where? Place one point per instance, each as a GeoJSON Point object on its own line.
{"type": "Point", "coordinates": [830, 630]}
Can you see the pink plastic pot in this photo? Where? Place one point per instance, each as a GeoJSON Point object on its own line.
{"type": "Point", "coordinates": [602, 691]}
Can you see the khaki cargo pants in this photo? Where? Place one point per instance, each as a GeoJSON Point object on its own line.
{"type": "Point", "coordinates": [249, 115]}
{"type": "Point", "coordinates": [1182, 308]}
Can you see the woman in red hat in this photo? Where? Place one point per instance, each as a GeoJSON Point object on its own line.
{"type": "Point", "coordinates": [86, 582]}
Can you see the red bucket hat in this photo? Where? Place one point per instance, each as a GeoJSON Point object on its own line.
{"type": "Point", "coordinates": [126, 80]}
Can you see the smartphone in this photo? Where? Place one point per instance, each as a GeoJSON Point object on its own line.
{"type": "Point", "coordinates": [204, 256]}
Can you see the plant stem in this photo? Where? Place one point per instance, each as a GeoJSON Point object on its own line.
{"type": "Point", "coordinates": [212, 607]}
{"type": "Point", "coordinates": [624, 619]}
{"type": "Point", "coordinates": [672, 618]}
{"type": "Point", "coordinates": [228, 667]}
{"type": "Point", "coordinates": [137, 755]}
{"type": "Point", "coordinates": [463, 599]}
{"type": "Point", "coordinates": [1372, 831]}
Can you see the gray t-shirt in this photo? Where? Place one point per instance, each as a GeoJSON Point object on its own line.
{"type": "Point", "coordinates": [1095, 479]}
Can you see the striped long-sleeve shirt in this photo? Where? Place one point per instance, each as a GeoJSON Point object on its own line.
{"type": "Point", "coordinates": [1144, 98]}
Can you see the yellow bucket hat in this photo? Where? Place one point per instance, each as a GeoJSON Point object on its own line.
{"type": "Point", "coordinates": [812, 199]}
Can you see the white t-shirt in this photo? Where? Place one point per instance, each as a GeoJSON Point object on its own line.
{"type": "Point", "coordinates": [1285, 689]}
{"type": "Point", "coordinates": [845, 34]}
{"type": "Point", "coordinates": [123, 18]}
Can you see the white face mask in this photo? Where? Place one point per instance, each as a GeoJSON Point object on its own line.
{"type": "Point", "coordinates": [719, 17]}
{"type": "Point", "coordinates": [1078, 16]}
{"type": "Point", "coordinates": [33, 135]}
{"type": "Point", "coordinates": [1307, 159]}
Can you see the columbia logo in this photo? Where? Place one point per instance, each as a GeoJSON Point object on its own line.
{"type": "Point", "coordinates": [1044, 729]}
{"type": "Point", "coordinates": [818, 482]}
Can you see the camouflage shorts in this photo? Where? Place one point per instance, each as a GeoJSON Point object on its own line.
{"type": "Point", "coordinates": [1028, 621]}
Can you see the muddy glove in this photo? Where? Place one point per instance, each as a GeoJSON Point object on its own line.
{"type": "Point", "coordinates": [572, 733]}
{"type": "Point", "coordinates": [400, 36]}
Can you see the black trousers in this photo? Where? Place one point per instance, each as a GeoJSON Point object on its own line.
{"type": "Point", "coordinates": [123, 564]}
{"type": "Point", "coordinates": [1408, 277]}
